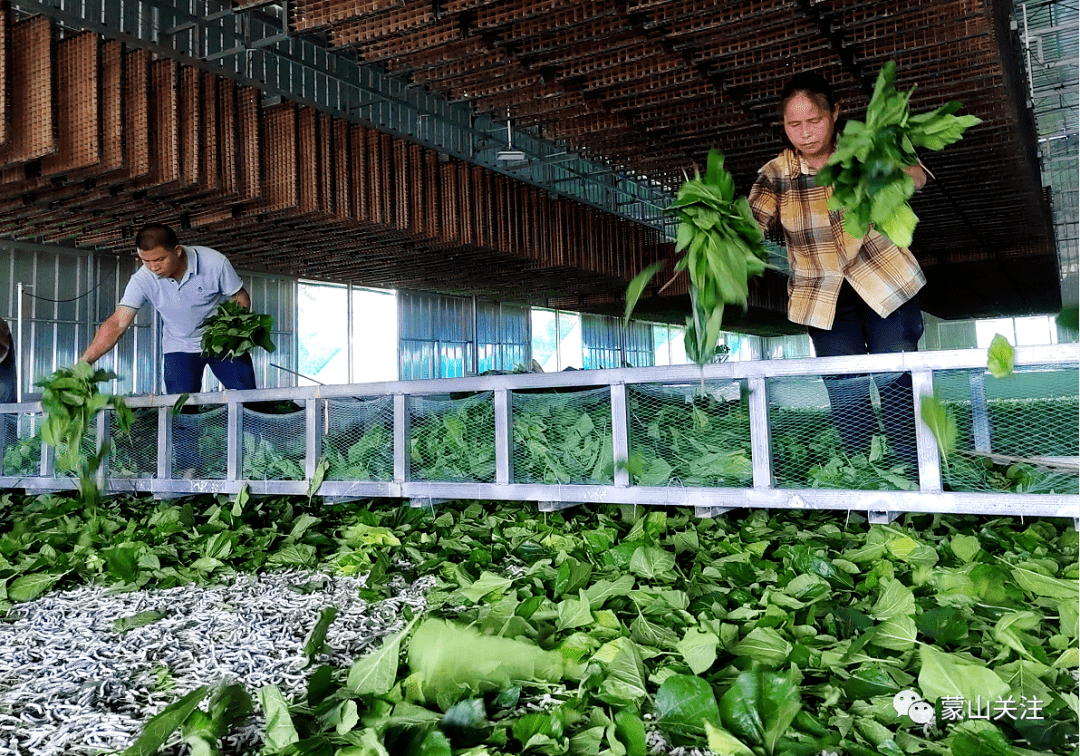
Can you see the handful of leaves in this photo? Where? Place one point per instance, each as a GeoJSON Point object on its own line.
{"type": "Point", "coordinates": [867, 170]}
{"type": "Point", "coordinates": [71, 401]}
{"type": "Point", "coordinates": [723, 248]}
{"type": "Point", "coordinates": [234, 330]}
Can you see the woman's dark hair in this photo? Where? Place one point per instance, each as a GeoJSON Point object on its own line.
{"type": "Point", "coordinates": [811, 84]}
{"type": "Point", "coordinates": [817, 88]}
{"type": "Point", "coordinates": [154, 235]}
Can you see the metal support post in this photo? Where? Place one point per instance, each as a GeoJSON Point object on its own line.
{"type": "Point", "coordinates": [103, 436]}
{"type": "Point", "coordinates": [48, 460]}
{"type": "Point", "coordinates": [19, 340]}
{"type": "Point", "coordinates": [760, 443]}
{"type": "Point", "coordinates": [504, 462]}
{"type": "Point", "coordinates": [312, 436]}
{"type": "Point", "coordinates": [234, 447]}
{"type": "Point", "coordinates": [165, 444]}
{"type": "Point", "coordinates": [922, 384]}
{"type": "Point", "coordinates": [401, 438]}
{"type": "Point", "coordinates": [980, 416]}
{"type": "Point", "coordinates": [620, 434]}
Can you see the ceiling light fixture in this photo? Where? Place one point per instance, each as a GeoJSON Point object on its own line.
{"type": "Point", "coordinates": [509, 154]}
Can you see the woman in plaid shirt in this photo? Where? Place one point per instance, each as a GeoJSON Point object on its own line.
{"type": "Point", "coordinates": [855, 296]}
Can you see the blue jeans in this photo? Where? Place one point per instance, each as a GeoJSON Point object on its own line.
{"type": "Point", "coordinates": [184, 371]}
{"type": "Point", "coordinates": [857, 329]}
{"type": "Point", "coordinates": [183, 375]}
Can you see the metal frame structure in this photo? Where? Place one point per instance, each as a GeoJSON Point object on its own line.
{"type": "Point", "coordinates": [255, 46]}
{"type": "Point", "coordinates": [881, 506]}
{"type": "Point", "coordinates": [1048, 30]}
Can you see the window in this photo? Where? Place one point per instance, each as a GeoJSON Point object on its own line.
{"type": "Point", "coordinates": [556, 339]}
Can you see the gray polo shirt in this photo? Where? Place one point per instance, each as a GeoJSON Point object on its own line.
{"type": "Point", "coordinates": [185, 304]}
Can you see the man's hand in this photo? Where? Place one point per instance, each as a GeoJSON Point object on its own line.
{"type": "Point", "coordinates": [918, 175]}
{"type": "Point", "coordinates": [242, 298]}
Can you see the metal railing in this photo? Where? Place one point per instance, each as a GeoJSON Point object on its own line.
{"type": "Point", "coordinates": [755, 382]}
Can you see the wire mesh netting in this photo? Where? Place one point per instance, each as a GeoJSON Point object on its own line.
{"type": "Point", "coordinates": [690, 435]}
{"type": "Point", "coordinates": [199, 444]}
{"type": "Point", "coordinates": [1019, 434]}
{"type": "Point", "coordinates": [452, 439]}
{"type": "Point", "coordinates": [852, 432]}
{"type": "Point", "coordinates": [359, 438]}
{"type": "Point", "coordinates": [134, 453]}
{"type": "Point", "coordinates": [563, 437]}
{"type": "Point", "coordinates": [21, 443]}
{"type": "Point", "coordinates": [274, 445]}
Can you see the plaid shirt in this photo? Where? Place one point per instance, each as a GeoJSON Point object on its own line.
{"type": "Point", "coordinates": [821, 254]}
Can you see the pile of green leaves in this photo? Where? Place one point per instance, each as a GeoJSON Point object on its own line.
{"type": "Point", "coordinates": [866, 171]}
{"type": "Point", "coordinates": [723, 245]}
{"type": "Point", "coordinates": [758, 634]}
{"type": "Point", "coordinates": [22, 457]}
{"type": "Point", "coordinates": [563, 438]}
{"type": "Point", "coordinates": [233, 330]}
{"type": "Point", "coordinates": [370, 457]}
{"type": "Point", "coordinates": [267, 460]}
{"type": "Point", "coordinates": [455, 443]}
{"type": "Point", "coordinates": [966, 472]}
{"type": "Point", "coordinates": [690, 441]}
{"type": "Point", "coordinates": [61, 541]}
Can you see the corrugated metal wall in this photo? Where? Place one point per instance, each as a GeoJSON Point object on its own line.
{"type": "Point", "coordinates": [435, 336]}
{"type": "Point", "coordinates": [68, 293]}
{"type": "Point", "coordinates": [640, 348]}
{"type": "Point", "coordinates": [601, 342]}
{"type": "Point", "coordinates": [503, 336]}
{"type": "Point", "coordinates": [448, 337]}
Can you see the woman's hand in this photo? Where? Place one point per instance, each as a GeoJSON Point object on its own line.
{"type": "Point", "coordinates": [918, 175]}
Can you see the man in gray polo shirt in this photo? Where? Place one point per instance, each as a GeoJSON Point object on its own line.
{"type": "Point", "coordinates": [185, 285]}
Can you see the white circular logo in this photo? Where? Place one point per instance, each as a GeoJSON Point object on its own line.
{"type": "Point", "coordinates": [903, 700]}
{"type": "Point", "coordinates": [921, 712]}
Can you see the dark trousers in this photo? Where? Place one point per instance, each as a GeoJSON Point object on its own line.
{"type": "Point", "coordinates": [183, 375]}
{"type": "Point", "coordinates": [9, 423]}
{"type": "Point", "coordinates": [184, 371]}
{"type": "Point", "coordinates": [857, 329]}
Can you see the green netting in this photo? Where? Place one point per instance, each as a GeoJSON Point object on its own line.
{"type": "Point", "coordinates": [359, 438]}
{"type": "Point", "coordinates": [852, 433]}
{"type": "Point", "coordinates": [563, 437]}
{"type": "Point", "coordinates": [274, 446]}
{"type": "Point", "coordinates": [22, 444]}
{"type": "Point", "coordinates": [134, 453]}
{"type": "Point", "coordinates": [199, 444]}
{"type": "Point", "coordinates": [1019, 434]}
{"type": "Point", "coordinates": [682, 435]}
{"type": "Point", "coordinates": [452, 439]}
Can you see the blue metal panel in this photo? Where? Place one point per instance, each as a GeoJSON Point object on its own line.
{"type": "Point", "coordinates": [600, 342]}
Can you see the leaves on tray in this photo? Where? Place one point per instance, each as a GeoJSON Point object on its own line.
{"type": "Point", "coordinates": [606, 628]}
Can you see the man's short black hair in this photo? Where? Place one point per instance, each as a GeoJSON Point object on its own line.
{"type": "Point", "coordinates": [154, 235]}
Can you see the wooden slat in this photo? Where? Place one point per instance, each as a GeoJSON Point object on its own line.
{"type": "Point", "coordinates": [249, 147]}
{"type": "Point", "coordinates": [165, 123]}
{"type": "Point", "coordinates": [281, 185]}
{"type": "Point", "coordinates": [78, 127]}
{"type": "Point", "coordinates": [32, 115]}
{"type": "Point", "coordinates": [193, 126]}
